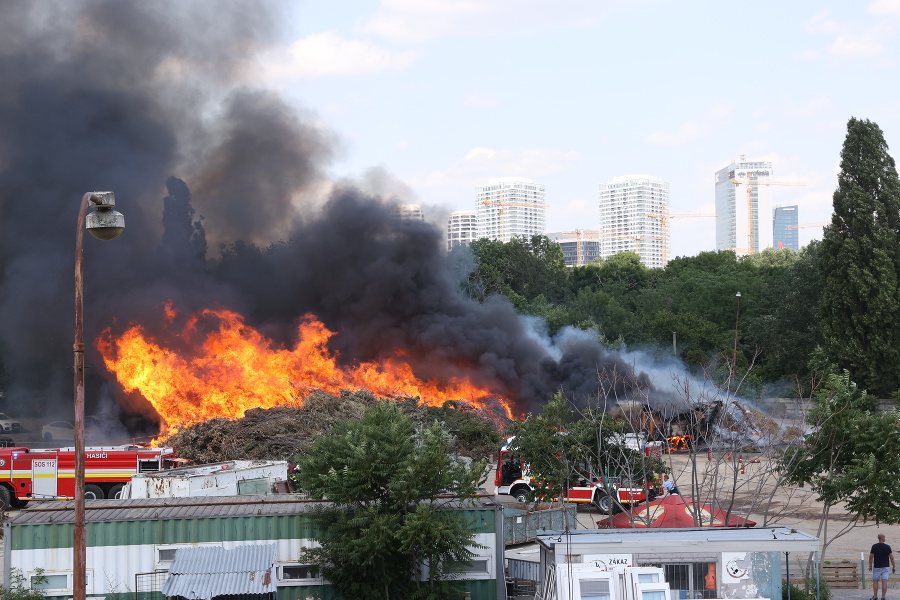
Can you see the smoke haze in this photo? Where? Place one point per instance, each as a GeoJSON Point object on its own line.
{"type": "Point", "coordinates": [220, 187]}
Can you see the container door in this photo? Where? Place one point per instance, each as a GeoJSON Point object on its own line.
{"type": "Point", "coordinates": [44, 476]}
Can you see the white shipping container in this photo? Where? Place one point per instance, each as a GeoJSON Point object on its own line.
{"type": "Point", "coordinates": [232, 478]}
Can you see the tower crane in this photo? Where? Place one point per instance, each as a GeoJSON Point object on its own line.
{"type": "Point", "coordinates": [664, 224]}
{"type": "Point", "coordinates": [805, 225]}
{"type": "Point", "coordinates": [614, 234]}
{"type": "Point", "coordinates": [751, 183]}
{"type": "Point", "coordinates": [581, 235]}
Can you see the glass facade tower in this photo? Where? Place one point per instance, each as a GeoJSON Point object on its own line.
{"type": "Point", "coordinates": [785, 227]}
{"type": "Point", "coordinates": [738, 210]}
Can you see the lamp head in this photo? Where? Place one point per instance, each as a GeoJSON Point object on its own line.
{"type": "Point", "coordinates": [104, 223]}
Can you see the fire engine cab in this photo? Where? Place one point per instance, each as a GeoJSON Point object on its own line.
{"type": "Point", "coordinates": [32, 474]}
{"type": "Point", "coordinates": [608, 494]}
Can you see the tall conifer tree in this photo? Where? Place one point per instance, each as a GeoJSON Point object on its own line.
{"type": "Point", "coordinates": [860, 262]}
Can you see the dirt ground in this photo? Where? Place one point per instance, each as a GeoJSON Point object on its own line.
{"type": "Point", "coordinates": [759, 498]}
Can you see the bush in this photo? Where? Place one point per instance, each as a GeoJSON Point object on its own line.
{"type": "Point", "coordinates": [17, 589]}
{"type": "Point", "coordinates": [808, 591]}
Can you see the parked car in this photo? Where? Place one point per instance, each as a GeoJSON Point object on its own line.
{"type": "Point", "coordinates": [9, 424]}
{"type": "Point", "coordinates": [64, 430]}
{"type": "Point", "coordinates": [58, 430]}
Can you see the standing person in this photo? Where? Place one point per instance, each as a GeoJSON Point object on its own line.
{"type": "Point", "coordinates": [669, 485]}
{"type": "Point", "coordinates": [881, 558]}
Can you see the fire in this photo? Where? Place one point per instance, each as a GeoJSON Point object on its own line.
{"type": "Point", "coordinates": [680, 442]}
{"type": "Point", "coordinates": [233, 367]}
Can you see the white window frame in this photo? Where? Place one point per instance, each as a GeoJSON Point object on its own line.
{"type": "Point", "coordinates": [70, 581]}
{"type": "Point", "coordinates": [279, 574]}
{"type": "Point", "coordinates": [165, 564]}
{"type": "Point", "coordinates": [473, 573]}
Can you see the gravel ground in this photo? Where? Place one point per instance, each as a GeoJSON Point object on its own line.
{"type": "Point", "coordinates": [760, 498]}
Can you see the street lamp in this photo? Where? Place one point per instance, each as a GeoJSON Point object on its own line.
{"type": "Point", "coordinates": [737, 315]}
{"type": "Point", "coordinates": [104, 223]}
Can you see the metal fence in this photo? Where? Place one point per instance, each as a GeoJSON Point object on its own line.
{"type": "Point", "coordinates": [520, 526]}
{"type": "Point", "coordinates": [148, 586]}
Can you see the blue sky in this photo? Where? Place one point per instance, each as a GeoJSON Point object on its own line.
{"type": "Point", "coordinates": [443, 95]}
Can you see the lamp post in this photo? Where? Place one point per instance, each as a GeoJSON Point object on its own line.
{"type": "Point", "coordinates": [737, 316]}
{"type": "Point", "coordinates": [105, 224]}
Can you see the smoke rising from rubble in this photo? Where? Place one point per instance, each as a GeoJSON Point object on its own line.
{"type": "Point", "coordinates": [106, 95]}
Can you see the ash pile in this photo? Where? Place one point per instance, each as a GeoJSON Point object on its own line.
{"type": "Point", "coordinates": [715, 424]}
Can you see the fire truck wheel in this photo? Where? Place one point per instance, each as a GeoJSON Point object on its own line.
{"type": "Point", "coordinates": [93, 492]}
{"type": "Point", "coordinates": [604, 503]}
{"type": "Point", "coordinates": [115, 491]}
{"type": "Point", "coordinates": [521, 496]}
{"type": "Point", "coordinates": [5, 496]}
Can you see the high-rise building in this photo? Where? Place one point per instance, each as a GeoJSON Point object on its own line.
{"type": "Point", "coordinates": [410, 212]}
{"type": "Point", "coordinates": [580, 247]}
{"type": "Point", "coordinates": [785, 227]}
{"type": "Point", "coordinates": [462, 228]}
{"type": "Point", "coordinates": [509, 207]}
{"type": "Point", "coordinates": [626, 224]}
{"type": "Point", "coordinates": [739, 202]}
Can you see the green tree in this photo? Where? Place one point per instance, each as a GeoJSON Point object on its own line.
{"type": "Point", "coordinates": [788, 327]}
{"type": "Point", "coordinates": [563, 446]}
{"type": "Point", "coordinates": [849, 456]}
{"type": "Point", "coordinates": [860, 263]}
{"type": "Point", "coordinates": [520, 267]}
{"type": "Point", "coordinates": [387, 518]}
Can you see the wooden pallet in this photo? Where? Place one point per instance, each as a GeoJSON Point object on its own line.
{"type": "Point", "coordinates": [842, 574]}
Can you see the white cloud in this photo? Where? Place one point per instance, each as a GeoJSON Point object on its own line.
{"type": "Point", "coordinates": [854, 45]}
{"type": "Point", "coordinates": [481, 164]}
{"type": "Point", "coordinates": [326, 53]}
{"type": "Point", "coordinates": [889, 8]}
{"type": "Point", "coordinates": [821, 22]}
{"type": "Point", "coordinates": [692, 130]}
{"type": "Point", "coordinates": [820, 105]}
{"type": "Point", "coordinates": [414, 21]}
{"type": "Point", "coordinates": [852, 40]}
{"type": "Point", "coordinates": [684, 134]}
{"type": "Point", "coordinates": [417, 21]}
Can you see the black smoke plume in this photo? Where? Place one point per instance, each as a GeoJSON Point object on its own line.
{"type": "Point", "coordinates": [109, 95]}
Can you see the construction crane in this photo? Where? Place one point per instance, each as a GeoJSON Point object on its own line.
{"type": "Point", "coordinates": [614, 234]}
{"type": "Point", "coordinates": [751, 183]}
{"type": "Point", "coordinates": [501, 204]}
{"type": "Point", "coordinates": [664, 225]}
{"type": "Point", "coordinates": [805, 225]}
{"type": "Point", "coordinates": [580, 236]}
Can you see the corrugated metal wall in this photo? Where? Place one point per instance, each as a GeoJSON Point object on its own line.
{"type": "Point", "coordinates": [520, 526]}
{"type": "Point", "coordinates": [120, 549]}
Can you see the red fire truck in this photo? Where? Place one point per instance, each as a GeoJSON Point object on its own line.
{"type": "Point", "coordinates": [608, 494]}
{"type": "Point", "coordinates": [30, 474]}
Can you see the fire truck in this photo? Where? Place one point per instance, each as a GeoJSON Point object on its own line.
{"type": "Point", "coordinates": [37, 474]}
{"type": "Point", "coordinates": [607, 494]}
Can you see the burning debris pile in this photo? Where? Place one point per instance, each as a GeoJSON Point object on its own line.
{"type": "Point", "coordinates": [248, 280]}
{"type": "Point", "coordinates": [713, 424]}
{"type": "Point", "coordinates": [284, 432]}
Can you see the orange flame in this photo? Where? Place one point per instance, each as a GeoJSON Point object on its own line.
{"type": "Point", "coordinates": [234, 368]}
